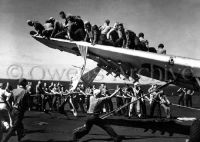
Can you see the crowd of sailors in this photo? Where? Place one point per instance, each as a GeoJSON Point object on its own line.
{"type": "Point", "coordinates": [56, 97]}
{"type": "Point", "coordinates": [86, 100]}
{"type": "Point", "coordinates": [75, 29]}
{"type": "Point", "coordinates": [185, 97]}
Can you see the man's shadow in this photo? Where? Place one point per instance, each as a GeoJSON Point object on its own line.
{"type": "Point", "coordinates": [163, 125]}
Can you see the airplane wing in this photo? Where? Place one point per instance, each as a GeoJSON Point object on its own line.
{"type": "Point", "coordinates": [120, 61]}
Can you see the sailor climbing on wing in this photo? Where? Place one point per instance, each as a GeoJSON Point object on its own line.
{"type": "Point", "coordinates": [75, 29]}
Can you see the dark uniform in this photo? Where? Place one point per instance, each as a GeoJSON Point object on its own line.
{"type": "Point", "coordinates": [127, 99]}
{"type": "Point", "coordinates": [56, 98]}
{"type": "Point", "coordinates": [108, 102]}
{"type": "Point", "coordinates": [39, 95]}
{"type": "Point", "coordinates": [47, 98]}
{"type": "Point", "coordinates": [155, 102]}
{"type": "Point", "coordinates": [81, 98]}
{"type": "Point", "coordinates": [188, 97]}
{"type": "Point", "coordinates": [114, 36]}
{"type": "Point", "coordinates": [29, 89]}
{"type": "Point", "coordinates": [165, 103]}
{"type": "Point", "coordinates": [119, 101]}
{"type": "Point", "coordinates": [88, 92]}
{"type": "Point", "coordinates": [142, 102]}
{"type": "Point", "coordinates": [37, 25]}
{"type": "Point", "coordinates": [181, 95]}
{"type": "Point", "coordinates": [20, 105]}
{"type": "Point", "coordinates": [75, 28]}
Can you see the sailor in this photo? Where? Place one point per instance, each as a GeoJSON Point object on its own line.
{"type": "Point", "coordinates": [88, 92]}
{"type": "Point", "coordinates": [127, 98]}
{"type": "Point", "coordinates": [64, 17]}
{"type": "Point", "coordinates": [60, 92]}
{"type": "Point", "coordinates": [161, 49]}
{"type": "Point", "coordinates": [108, 102]}
{"type": "Point", "coordinates": [147, 44]}
{"type": "Point", "coordinates": [39, 95]}
{"type": "Point", "coordinates": [29, 92]}
{"type": "Point", "coordinates": [79, 22]}
{"type": "Point", "coordinates": [141, 38]}
{"type": "Point", "coordinates": [75, 30]}
{"type": "Point", "coordinates": [68, 98]}
{"type": "Point", "coordinates": [5, 108]}
{"type": "Point", "coordinates": [59, 30]}
{"type": "Point", "coordinates": [94, 119]}
{"type": "Point", "coordinates": [47, 97]}
{"type": "Point", "coordinates": [88, 29]}
{"type": "Point", "coordinates": [181, 93]}
{"type": "Point", "coordinates": [154, 100]}
{"type": "Point", "coordinates": [141, 105]}
{"type": "Point", "coordinates": [112, 35]}
{"type": "Point", "coordinates": [103, 94]}
{"type": "Point", "coordinates": [93, 88]}
{"type": "Point", "coordinates": [37, 25]}
{"type": "Point", "coordinates": [20, 105]}
{"type": "Point", "coordinates": [95, 35]}
{"type": "Point", "coordinates": [132, 41]}
{"type": "Point", "coordinates": [55, 92]}
{"type": "Point", "coordinates": [142, 45]}
{"type": "Point", "coordinates": [119, 99]}
{"type": "Point", "coordinates": [165, 103]}
{"type": "Point", "coordinates": [64, 100]}
{"type": "Point", "coordinates": [105, 28]}
{"type": "Point", "coordinates": [81, 97]}
{"type": "Point", "coordinates": [9, 95]}
{"type": "Point", "coordinates": [92, 33]}
{"type": "Point", "coordinates": [51, 86]}
{"type": "Point", "coordinates": [150, 49]}
{"type": "Point", "coordinates": [188, 97]}
{"type": "Point", "coordinates": [132, 107]}
{"type": "Point", "coordinates": [121, 42]}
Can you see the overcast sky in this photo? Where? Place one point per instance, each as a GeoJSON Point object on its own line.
{"type": "Point", "coordinates": [176, 23]}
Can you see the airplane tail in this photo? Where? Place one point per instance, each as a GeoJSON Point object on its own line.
{"type": "Point", "coordinates": [89, 76]}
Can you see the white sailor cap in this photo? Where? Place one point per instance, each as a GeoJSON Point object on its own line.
{"type": "Point", "coordinates": [51, 18]}
{"type": "Point", "coordinates": [86, 22]}
{"type": "Point", "coordinates": [136, 83]}
{"type": "Point", "coordinates": [96, 92]}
